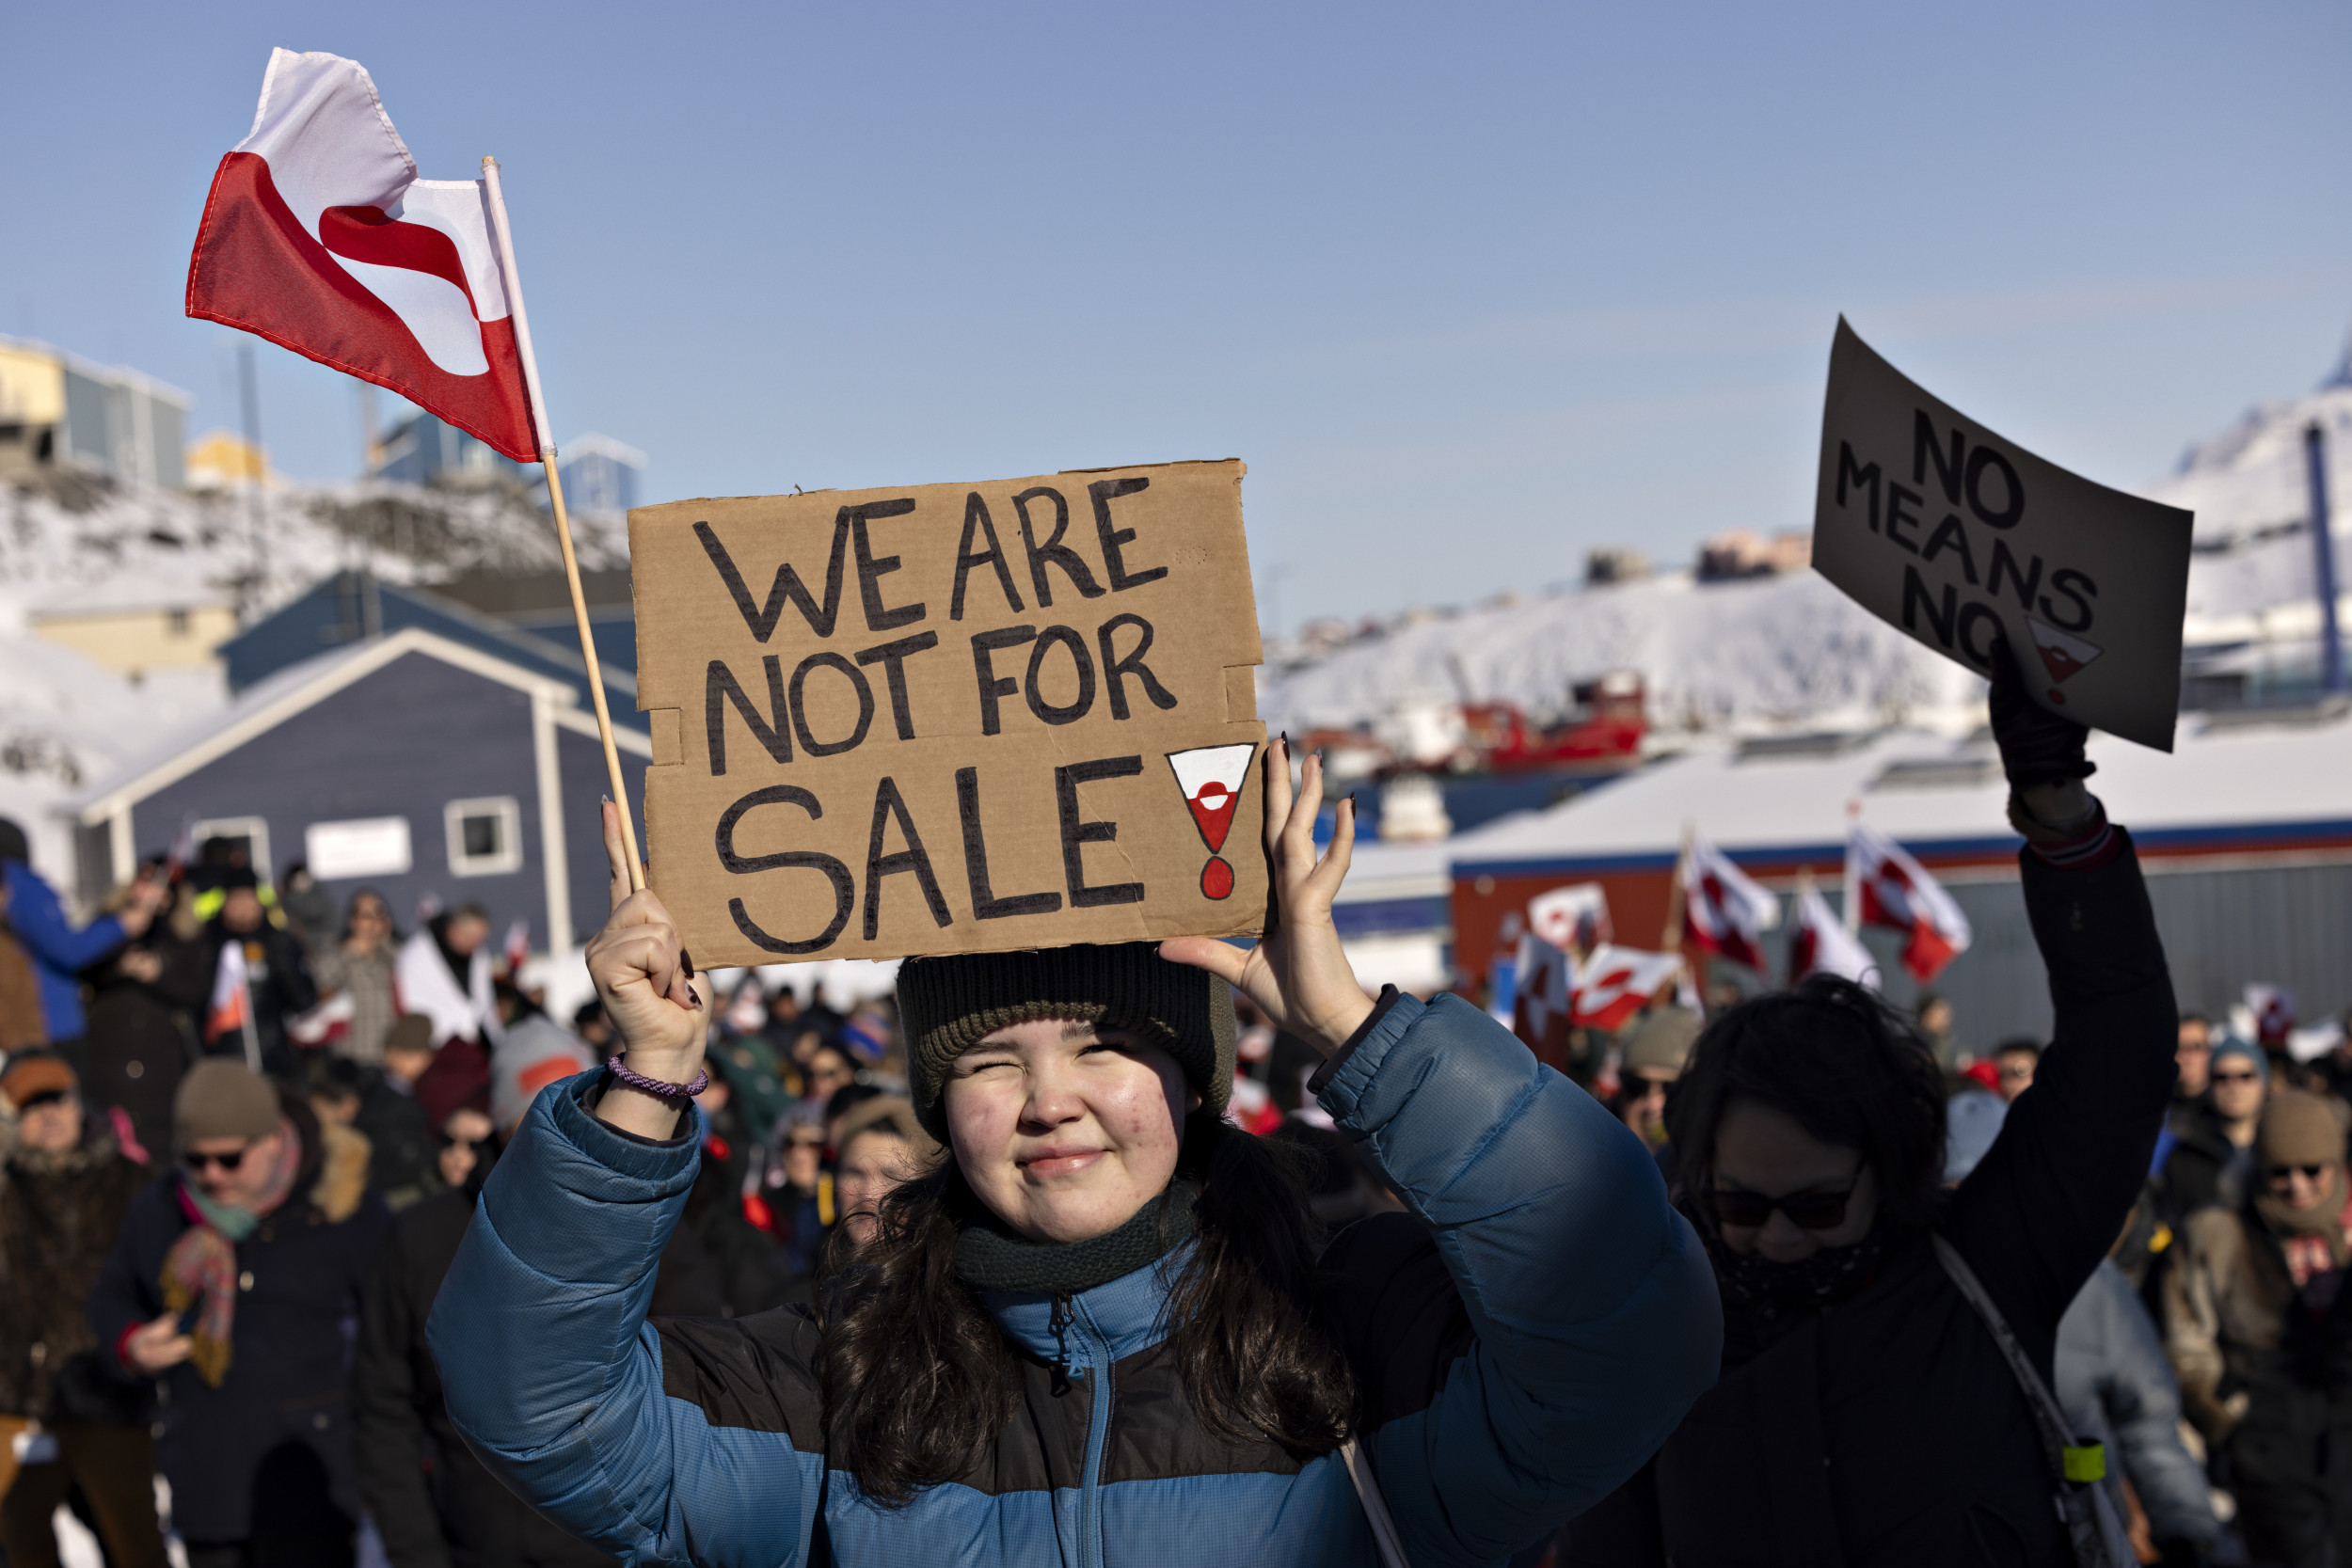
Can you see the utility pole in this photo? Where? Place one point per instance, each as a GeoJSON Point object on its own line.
{"type": "Point", "coordinates": [2323, 561]}
{"type": "Point", "coordinates": [249, 399]}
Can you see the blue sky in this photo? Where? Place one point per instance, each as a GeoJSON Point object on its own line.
{"type": "Point", "coordinates": [1472, 288]}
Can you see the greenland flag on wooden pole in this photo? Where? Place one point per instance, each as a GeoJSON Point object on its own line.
{"type": "Point", "coordinates": [1897, 892]}
{"type": "Point", "coordinates": [319, 236]}
{"type": "Point", "coordinates": [1724, 911]}
{"type": "Point", "coordinates": [1823, 945]}
{"type": "Point", "coordinates": [1614, 983]}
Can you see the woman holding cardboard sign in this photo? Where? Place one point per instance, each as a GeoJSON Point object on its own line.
{"type": "Point", "coordinates": [1098, 1332]}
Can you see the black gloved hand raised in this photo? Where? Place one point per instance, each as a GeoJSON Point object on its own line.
{"type": "Point", "coordinates": [2036, 746]}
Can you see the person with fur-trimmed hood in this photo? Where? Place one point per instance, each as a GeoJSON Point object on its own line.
{"type": "Point", "coordinates": [1099, 1332]}
{"type": "Point", "coordinates": [232, 1282]}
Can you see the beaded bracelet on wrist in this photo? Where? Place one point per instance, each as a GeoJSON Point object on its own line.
{"type": "Point", "coordinates": [676, 1093]}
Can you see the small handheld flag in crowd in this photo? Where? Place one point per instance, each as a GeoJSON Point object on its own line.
{"type": "Point", "coordinates": [1887, 888]}
{"type": "Point", "coordinates": [1820, 944]}
{"type": "Point", "coordinates": [1724, 911]}
{"type": "Point", "coordinates": [230, 1009]}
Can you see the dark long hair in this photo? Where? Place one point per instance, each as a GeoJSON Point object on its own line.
{"type": "Point", "coordinates": [917, 1379]}
{"type": "Point", "coordinates": [1847, 1067]}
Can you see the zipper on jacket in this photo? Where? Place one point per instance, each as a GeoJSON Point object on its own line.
{"type": "Point", "coordinates": [1057, 1324]}
{"type": "Point", "coordinates": [1097, 1346]}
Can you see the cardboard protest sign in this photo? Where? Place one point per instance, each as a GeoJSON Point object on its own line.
{"type": "Point", "coordinates": [954, 718]}
{"type": "Point", "coordinates": [1941, 528]}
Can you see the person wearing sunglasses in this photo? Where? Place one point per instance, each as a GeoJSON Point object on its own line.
{"type": "Point", "coordinates": [230, 1286]}
{"type": "Point", "coordinates": [2211, 1161]}
{"type": "Point", "coordinates": [1865, 1414]}
{"type": "Point", "coordinates": [2261, 1354]}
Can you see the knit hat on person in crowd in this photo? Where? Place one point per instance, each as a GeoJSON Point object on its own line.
{"type": "Point", "coordinates": [2298, 1128]}
{"type": "Point", "coordinates": [535, 1052]}
{"type": "Point", "coordinates": [33, 1073]}
{"type": "Point", "coordinates": [410, 1032]}
{"type": "Point", "coordinates": [949, 1004]}
{"type": "Point", "coordinates": [2233, 1046]}
{"type": "Point", "coordinates": [221, 1097]}
{"type": "Point", "coordinates": [1661, 1041]}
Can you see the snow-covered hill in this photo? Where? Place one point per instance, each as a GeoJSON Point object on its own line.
{"type": "Point", "coordinates": [1761, 654]}
{"type": "Point", "coordinates": [1793, 653]}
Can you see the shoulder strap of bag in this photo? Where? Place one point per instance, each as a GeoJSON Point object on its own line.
{"type": "Point", "coordinates": [1375, 1507]}
{"type": "Point", "coordinates": [2073, 1467]}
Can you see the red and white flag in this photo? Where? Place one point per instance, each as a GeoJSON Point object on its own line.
{"type": "Point", "coordinates": [517, 947]}
{"type": "Point", "coordinates": [1543, 1000]}
{"type": "Point", "coordinates": [1820, 944]}
{"type": "Point", "coordinates": [1723, 913]}
{"type": "Point", "coordinates": [1575, 917]}
{"type": "Point", "coordinates": [1614, 983]}
{"type": "Point", "coordinates": [319, 236]}
{"type": "Point", "coordinates": [1898, 894]}
{"type": "Point", "coordinates": [231, 1006]}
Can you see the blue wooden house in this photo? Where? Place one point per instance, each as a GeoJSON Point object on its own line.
{"type": "Point", "coordinates": [411, 762]}
{"type": "Point", "coordinates": [354, 607]}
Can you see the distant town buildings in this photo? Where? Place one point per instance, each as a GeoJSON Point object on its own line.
{"type": "Point", "coordinates": [421, 450]}
{"type": "Point", "coordinates": [599, 474]}
{"type": "Point", "coordinates": [220, 460]}
{"type": "Point", "coordinates": [1741, 553]}
{"type": "Point", "coordinates": [59, 411]}
{"type": "Point", "coordinates": [135, 622]}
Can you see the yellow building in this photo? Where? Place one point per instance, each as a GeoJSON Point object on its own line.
{"type": "Point", "coordinates": [58, 409]}
{"type": "Point", "coordinates": [219, 461]}
{"type": "Point", "coordinates": [133, 625]}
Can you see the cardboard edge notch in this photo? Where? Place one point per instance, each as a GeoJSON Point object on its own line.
{"type": "Point", "coordinates": [669, 744]}
{"type": "Point", "coordinates": [1241, 694]}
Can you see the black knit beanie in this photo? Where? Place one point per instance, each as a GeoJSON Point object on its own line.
{"type": "Point", "coordinates": [949, 1004]}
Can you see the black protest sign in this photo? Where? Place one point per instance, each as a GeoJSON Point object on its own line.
{"type": "Point", "coordinates": [952, 718]}
{"type": "Point", "coordinates": [1942, 529]}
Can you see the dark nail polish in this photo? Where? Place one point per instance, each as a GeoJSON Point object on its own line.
{"type": "Point", "coordinates": [686, 962]}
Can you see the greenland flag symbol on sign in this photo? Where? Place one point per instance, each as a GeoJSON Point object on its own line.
{"type": "Point", "coordinates": [2062, 653]}
{"type": "Point", "coordinates": [1212, 779]}
{"type": "Point", "coordinates": [319, 236]}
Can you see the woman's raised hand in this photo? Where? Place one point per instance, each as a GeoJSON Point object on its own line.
{"type": "Point", "coordinates": [643, 978]}
{"type": "Point", "coordinates": [1297, 974]}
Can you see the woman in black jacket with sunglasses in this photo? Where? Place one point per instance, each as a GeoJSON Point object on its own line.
{"type": "Point", "coordinates": [1865, 1414]}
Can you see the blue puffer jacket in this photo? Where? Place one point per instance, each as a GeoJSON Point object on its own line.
{"type": "Point", "coordinates": [1517, 1359]}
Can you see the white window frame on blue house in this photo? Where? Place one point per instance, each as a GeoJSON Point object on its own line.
{"type": "Point", "coordinates": [507, 858]}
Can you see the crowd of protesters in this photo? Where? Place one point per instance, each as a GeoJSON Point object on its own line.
{"type": "Point", "coordinates": [2048, 1301]}
{"type": "Point", "coordinates": [222, 1229]}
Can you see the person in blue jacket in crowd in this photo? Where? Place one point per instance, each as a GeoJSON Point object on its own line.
{"type": "Point", "coordinates": [59, 952]}
{"type": "Point", "coordinates": [1099, 1332]}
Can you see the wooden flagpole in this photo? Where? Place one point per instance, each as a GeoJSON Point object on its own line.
{"type": "Point", "coordinates": [563, 523]}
